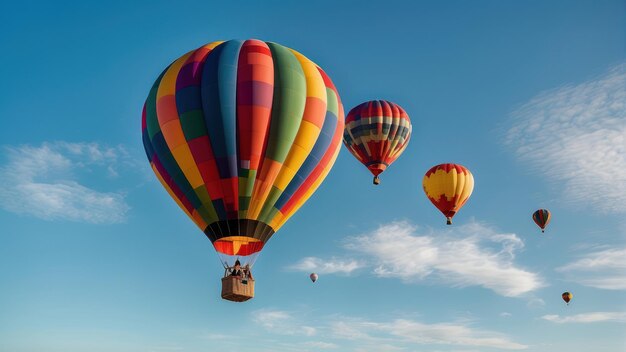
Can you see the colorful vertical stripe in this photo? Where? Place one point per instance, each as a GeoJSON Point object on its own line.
{"type": "Point", "coordinates": [240, 134]}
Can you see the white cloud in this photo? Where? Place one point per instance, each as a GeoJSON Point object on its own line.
{"type": "Point", "coordinates": [391, 335]}
{"type": "Point", "coordinates": [593, 317]}
{"type": "Point", "coordinates": [331, 266]}
{"type": "Point", "coordinates": [468, 255]}
{"type": "Point", "coordinates": [576, 135]}
{"type": "Point", "coordinates": [216, 336]}
{"type": "Point", "coordinates": [281, 322]}
{"type": "Point", "coordinates": [320, 345]}
{"type": "Point", "coordinates": [166, 348]}
{"type": "Point", "coordinates": [605, 269]}
{"type": "Point", "coordinates": [350, 329]}
{"type": "Point", "coordinates": [506, 314]}
{"type": "Point", "coordinates": [378, 347]}
{"type": "Point", "coordinates": [41, 181]}
{"type": "Point", "coordinates": [536, 303]}
{"type": "Point", "coordinates": [411, 332]}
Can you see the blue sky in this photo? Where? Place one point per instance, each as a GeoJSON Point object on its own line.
{"type": "Point", "coordinates": [529, 95]}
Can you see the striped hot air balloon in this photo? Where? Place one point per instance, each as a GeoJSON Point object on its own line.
{"type": "Point", "coordinates": [448, 187]}
{"type": "Point", "coordinates": [542, 218]}
{"type": "Point", "coordinates": [240, 134]}
{"type": "Point", "coordinates": [376, 133]}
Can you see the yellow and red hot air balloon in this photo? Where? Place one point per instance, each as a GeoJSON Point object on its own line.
{"type": "Point", "coordinates": [542, 218]}
{"type": "Point", "coordinates": [240, 134]}
{"type": "Point", "coordinates": [448, 186]}
{"type": "Point", "coordinates": [567, 296]}
{"type": "Point", "coordinates": [376, 133]}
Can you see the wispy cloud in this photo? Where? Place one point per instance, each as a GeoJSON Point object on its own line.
{"type": "Point", "coordinates": [41, 181]}
{"type": "Point", "coordinates": [576, 135]}
{"type": "Point", "coordinates": [216, 336]}
{"type": "Point", "coordinates": [281, 322]}
{"type": "Point", "coordinates": [604, 269]}
{"type": "Point", "coordinates": [166, 348]}
{"type": "Point", "coordinates": [412, 332]}
{"type": "Point", "coordinates": [327, 266]}
{"type": "Point", "coordinates": [593, 317]}
{"type": "Point", "coordinates": [362, 334]}
{"type": "Point", "coordinates": [536, 303]}
{"type": "Point", "coordinates": [320, 345]}
{"type": "Point", "coordinates": [469, 255]}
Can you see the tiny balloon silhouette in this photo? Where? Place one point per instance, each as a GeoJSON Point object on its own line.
{"type": "Point", "coordinates": [542, 218]}
{"type": "Point", "coordinates": [313, 277]}
{"type": "Point", "coordinates": [567, 296]}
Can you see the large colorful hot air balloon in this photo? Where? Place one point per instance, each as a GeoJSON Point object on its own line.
{"type": "Point", "coordinates": [376, 133]}
{"type": "Point", "coordinates": [567, 296]}
{"type": "Point", "coordinates": [448, 186]}
{"type": "Point", "coordinates": [542, 218]}
{"type": "Point", "coordinates": [240, 134]}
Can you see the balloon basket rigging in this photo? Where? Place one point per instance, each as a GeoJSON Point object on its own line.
{"type": "Point", "coordinates": [237, 289]}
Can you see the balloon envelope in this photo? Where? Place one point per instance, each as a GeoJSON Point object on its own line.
{"type": "Point", "coordinates": [313, 277]}
{"type": "Point", "coordinates": [448, 187]}
{"type": "Point", "coordinates": [567, 296]}
{"type": "Point", "coordinates": [542, 218]}
{"type": "Point", "coordinates": [240, 134]}
{"type": "Point", "coordinates": [376, 133]}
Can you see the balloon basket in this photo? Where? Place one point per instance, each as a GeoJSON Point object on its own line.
{"type": "Point", "coordinates": [237, 289]}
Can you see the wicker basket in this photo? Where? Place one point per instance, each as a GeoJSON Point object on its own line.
{"type": "Point", "coordinates": [236, 289]}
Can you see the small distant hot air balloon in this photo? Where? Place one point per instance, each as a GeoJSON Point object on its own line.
{"type": "Point", "coordinates": [448, 186]}
{"type": "Point", "coordinates": [241, 134]}
{"type": "Point", "coordinates": [376, 133]}
{"type": "Point", "coordinates": [542, 218]}
{"type": "Point", "coordinates": [313, 277]}
{"type": "Point", "coordinates": [567, 296]}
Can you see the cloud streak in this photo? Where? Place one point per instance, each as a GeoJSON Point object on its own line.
{"type": "Point", "coordinates": [40, 181]}
{"type": "Point", "coordinates": [593, 317]}
{"type": "Point", "coordinates": [576, 135]}
{"type": "Point", "coordinates": [329, 266]}
{"type": "Point", "coordinates": [605, 269]}
{"type": "Point", "coordinates": [365, 334]}
{"type": "Point", "coordinates": [412, 332]}
{"type": "Point", "coordinates": [281, 322]}
{"type": "Point", "coordinates": [469, 255]}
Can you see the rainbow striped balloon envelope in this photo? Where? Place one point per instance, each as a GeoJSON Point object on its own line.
{"type": "Point", "coordinates": [240, 134]}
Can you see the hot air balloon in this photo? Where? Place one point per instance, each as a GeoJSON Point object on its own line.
{"type": "Point", "coordinates": [376, 133]}
{"type": "Point", "coordinates": [448, 186]}
{"type": "Point", "coordinates": [240, 134]}
{"type": "Point", "coordinates": [567, 296]}
{"type": "Point", "coordinates": [542, 218]}
{"type": "Point", "coordinates": [313, 277]}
